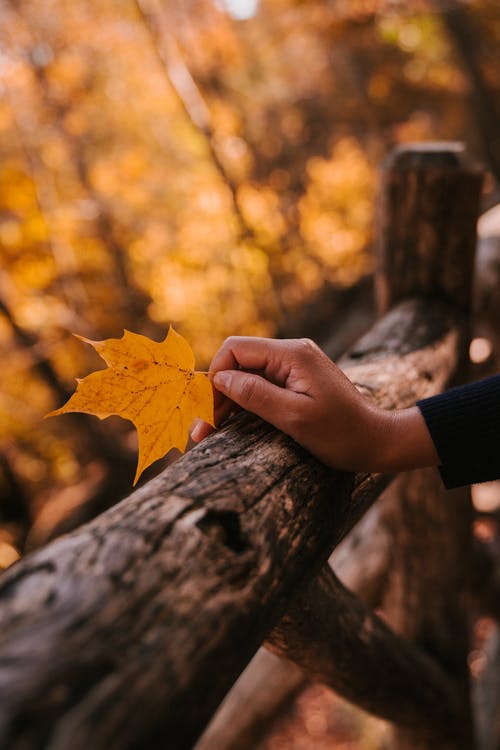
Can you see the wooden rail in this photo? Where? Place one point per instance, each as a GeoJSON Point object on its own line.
{"type": "Point", "coordinates": [128, 632]}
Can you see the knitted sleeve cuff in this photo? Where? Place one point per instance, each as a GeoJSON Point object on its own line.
{"type": "Point", "coordinates": [464, 423]}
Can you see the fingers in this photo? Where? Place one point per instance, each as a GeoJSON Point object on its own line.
{"type": "Point", "coordinates": [247, 353]}
{"type": "Point", "coordinates": [223, 409]}
{"type": "Point", "coordinates": [256, 394]}
{"type": "Point", "coordinates": [253, 353]}
{"type": "Point", "coordinates": [200, 430]}
{"type": "Point", "coordinates": [266, 376]}
{"type": "Point", "coordinates": [240, 389]}
{"type": "Point", "coordinates": [242, 351]}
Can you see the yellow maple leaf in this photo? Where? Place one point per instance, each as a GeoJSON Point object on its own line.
{"type": "Point", "coordinates": [152, 384]}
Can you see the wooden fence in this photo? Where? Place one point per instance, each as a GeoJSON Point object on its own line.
{"type": "Point", "coordinates": [128, 632]}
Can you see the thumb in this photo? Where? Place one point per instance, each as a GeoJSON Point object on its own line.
{"type": "Point", "coordinates": [258, 395]}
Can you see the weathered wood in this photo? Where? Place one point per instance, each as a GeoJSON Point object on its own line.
{"type": "Point", "coordinates": [429, 209]}
{"type": "Point", "coordinates": [335, 639]}
{"type": "Point", "coordinates": [128, 632]}
{"type": "Point", "coordinates": [107, 622]}
{"type": "Point", "coordinates": [426, 599]}
{"type": "Point", "coordinates": [362, 560]}
{"type": "Point", "coordinates": [269, 683]}
{"type": "Point", "coordinates": [427, 224]}
{"type": "Point", "coordinates": [354, 652]}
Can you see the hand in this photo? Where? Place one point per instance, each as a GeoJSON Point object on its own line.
{"type": "Point", "coordinates": [293, 385]}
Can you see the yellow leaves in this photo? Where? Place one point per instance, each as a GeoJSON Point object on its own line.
{"type": "Point", "coordinates": [154, 385]}
{"type": "Point", "coordinates": [336, 212]}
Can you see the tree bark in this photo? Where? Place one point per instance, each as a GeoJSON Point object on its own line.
{"type": "Point", "coordinates": [269, 683]}
{"type": "Point", "coordinates": [427, 224]}
{"type": "Point", "coordinates": [362, 560]}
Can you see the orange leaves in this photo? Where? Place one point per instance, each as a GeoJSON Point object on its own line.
{"type": "Point", "coordinates": [154, 385]}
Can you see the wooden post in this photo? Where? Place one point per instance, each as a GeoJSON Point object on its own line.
{"type": "Point", "coordinates": [430, 205]}
{"type": "Point", "coordinates": [427, 225]}
{"type": "Point", "coordinates": [431, 558]}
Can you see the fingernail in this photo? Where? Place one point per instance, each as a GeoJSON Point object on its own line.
{"type": "Point", "coordinates": [196, 431]}
{"type": "Point", "coordinates": [222, 379]}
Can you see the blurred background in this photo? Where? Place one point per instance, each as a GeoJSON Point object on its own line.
{"type": "Point", "coordinates": [210, 164]}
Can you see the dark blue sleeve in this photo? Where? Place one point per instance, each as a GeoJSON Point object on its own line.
{"type": "Point", "coordinates": [464, 423]}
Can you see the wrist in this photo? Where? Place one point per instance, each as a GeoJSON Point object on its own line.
{"type": "Point", "coordinates": [405, 442]}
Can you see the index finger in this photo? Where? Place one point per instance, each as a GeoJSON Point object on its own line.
{"type": "Point", "coordinates": [252, 353]}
